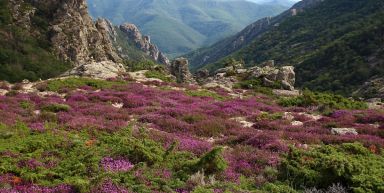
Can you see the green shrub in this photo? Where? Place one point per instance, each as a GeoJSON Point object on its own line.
{"type": "Point", "coordinates": [278, 188]}
{"type": "Point", "coordinates": [204, 93]}
{"type": "Point", "coordinates": [140, 65]}
{"type": "Point", "coordinates": [55, 108]}
{"type": "Point", "coordinates": [159, 75]}
{"type": "Point", "coordinates": [350, 164]}
{"type": "Point", "coordinates": [73, 83]}
{"type": "Point", "coordinates": [212, 162]}
{"type": "Point", "coordinates": [324, 100]}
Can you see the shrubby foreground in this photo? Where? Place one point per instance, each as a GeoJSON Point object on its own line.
{"type": "Point", "coordinates": [84, 135]}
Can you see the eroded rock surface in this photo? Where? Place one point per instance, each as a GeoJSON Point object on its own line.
{"type": "Point", "coordinates": [180, 69]}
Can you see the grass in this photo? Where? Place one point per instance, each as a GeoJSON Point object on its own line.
{"type": "Point", "coordinates": [204, 93]}
{"type": "Point", "coordinates": [73, 83]}
{"type": "Point", "coordinates": [159, 75]}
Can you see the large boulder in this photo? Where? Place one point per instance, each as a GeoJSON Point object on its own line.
{"type": "Point", "coordinates": [102, 70]}
{"type": "Point", "coordinates": [180, 69]}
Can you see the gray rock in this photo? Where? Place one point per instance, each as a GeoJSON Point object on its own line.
{"type": "Point", "coordinates": [271, 75]}
{"type": "Point", "coordinates": [102, 70]}
{"type": "Point", "coordinates": [344, 131]}
{"type": "Point", "coordinates": [180, 69]}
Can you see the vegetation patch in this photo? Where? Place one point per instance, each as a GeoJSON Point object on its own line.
{"type": "Point", "coordinates": [324, 100]}
{"type": "Point", "coordinates": [73, 83]}
{"type": "Point", "coordinates": [350, 164]}
{"type": "Point", "coordinates": [159, 75]}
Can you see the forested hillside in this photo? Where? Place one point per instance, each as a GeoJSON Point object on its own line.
{"type": "Point", "coordinates": [336, 46]}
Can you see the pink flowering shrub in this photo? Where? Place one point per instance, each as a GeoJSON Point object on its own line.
{"type": "Point", "coordinates": [116, 165]}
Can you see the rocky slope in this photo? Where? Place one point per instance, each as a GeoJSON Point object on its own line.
{"type": "Point", "coordinates": [62, 34]}
{"type": "Point", "coordinates": [143, 43]}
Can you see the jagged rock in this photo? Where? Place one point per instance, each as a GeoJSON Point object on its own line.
{"type": "Point", "coordinates": [180, 69]}
{"type": "Point", "coordinates": [74, 35]}
{"type": "Point", "coordinates": [144, 43]}
{"type": "Point", "coordinates": [344, 131]}
{"type": "Point", "coordinates": [102, 70]}
{"type": "Point", "coordinates": [106, 28]}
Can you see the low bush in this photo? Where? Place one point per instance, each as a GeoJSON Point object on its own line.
{"type": "Point", "coordinates": [350, 164]}
{"type": "Point", "coordinates": [323, 100]}
{"type": "Point", "coordinates": [73, 83]}
{"type": "Point", "coordinates": [204, 93]}
{"type": "Point", "coordinates": [55, 108]}
{"type": "Point", "coordinates": [159, 75]}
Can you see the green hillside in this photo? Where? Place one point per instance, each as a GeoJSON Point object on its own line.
{"type": "Point", "coordinates": [178, 26]}
{"type": "Point", "coordinates": [336, 46]}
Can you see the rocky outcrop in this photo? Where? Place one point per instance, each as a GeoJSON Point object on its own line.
{"type": "Point", "coordinates": [72, 34]}
{"type": "Point", "coordinates": [76, 38]}
{"type": "Point", "coordinates": [102, 70]}
{"type": "Point", "coordinates": [180, 69]}
{"type": "Point", "coordinates": [276, 77]}
{"type": "Point", "coordinates": [143, 43]}
{"type": "Point", "coordinates": [271, 76]}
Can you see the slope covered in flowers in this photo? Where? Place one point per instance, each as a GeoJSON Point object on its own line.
{"type": "Point", "coordinates": [82, 135]}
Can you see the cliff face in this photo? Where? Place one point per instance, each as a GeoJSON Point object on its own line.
{"type": "Point", "coordinates": [77, 38]}
{"type": "Point", "coordinates": [143, 43]}
{"type": "Point", "coordinates": [60, 29]}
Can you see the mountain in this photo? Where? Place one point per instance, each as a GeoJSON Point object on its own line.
{"type": "Point", "coordinates": [335, 45]}
{"type": "Point", "coordinates": [43, 39]}
{"type": "Point", "coordinates": [178, 26]}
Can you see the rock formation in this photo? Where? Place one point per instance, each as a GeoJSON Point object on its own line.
{"type": "Point", "coordinates": [75, 37]}
{"type": "Point", "coordinates": [180, 69]}
{"type": "Point", "coordinates": [271, 76]}
{"type": "Point", "coordinates": [143, 43]}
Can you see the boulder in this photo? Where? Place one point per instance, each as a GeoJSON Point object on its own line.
{"type": "Point", "coordinates": [102, 70]}
{"type": "Point", "coordinates": [344, 131]}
